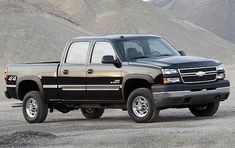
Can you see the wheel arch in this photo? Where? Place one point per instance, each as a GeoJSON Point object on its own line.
{"type": "Point", "coordinates": [33, 81]}
{"type": "Point", "coordinates": [132, 79]}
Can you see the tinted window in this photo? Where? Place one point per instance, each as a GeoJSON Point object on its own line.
{"type": "Point", "coordinates": [144, 47]}
{"type": "Point", "coordinates": [130, 47]}
{"type": "Point", "coordinates": [133, 44]}
{"type": "Point", "coordinates": [101, 49]}
{"type": "Point", "coordinates": [77, 53]}
{"type": "Point", "coordinates": [158, 47]}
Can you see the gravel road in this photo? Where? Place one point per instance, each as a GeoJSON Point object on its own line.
{"type": "Point", "coordinates": [173, 128]}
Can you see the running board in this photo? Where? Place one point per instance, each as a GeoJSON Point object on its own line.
{"type": "Point", "coordinates": [14, 105]}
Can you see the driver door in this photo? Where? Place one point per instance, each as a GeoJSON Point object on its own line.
{"type": "Point", "coordinates": [104, 81]}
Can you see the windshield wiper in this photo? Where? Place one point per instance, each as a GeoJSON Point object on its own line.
{"type": "Point", "coordinates": [165, 55]}
{"type": "Point", "coordinates": [159, 54]}
{"type": "Point", "coordinates": [139, 57]}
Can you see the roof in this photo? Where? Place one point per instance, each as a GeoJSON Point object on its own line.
{"type": "Point", "coordinates": [116, 36]}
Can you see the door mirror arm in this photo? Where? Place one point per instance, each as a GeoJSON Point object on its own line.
{"type": "Point", "coordinates": [182, 53]}
{"type": "Point", "coordinates": [109, 59]}
{"type": "Point", "coordinates": [117, 63]}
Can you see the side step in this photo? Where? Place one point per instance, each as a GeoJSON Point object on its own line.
{"type": "Point", "coordinates": [14, 105]}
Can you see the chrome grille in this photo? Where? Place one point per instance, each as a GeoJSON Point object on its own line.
{"type": "Point", "coordinates": [198, 75]}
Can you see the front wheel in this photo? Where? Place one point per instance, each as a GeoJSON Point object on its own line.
{"type": "Point", "coordinates": [92, 113]}
{"type": "Point", "coordinates": [204, 110]}
{"type": "Point", "coordinates": [141, 107]}
{"type": "Point", "coordinates": [34, 108]}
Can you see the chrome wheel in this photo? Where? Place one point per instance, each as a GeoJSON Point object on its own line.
{"type": "Point", "coordinates": [140, 106]}
{"type": "Point", "coordinates": [89, 110]}
{"type": "Point", "coordinates": [32, 108]}
{"type": "Point", "coordinates": [201, 108]}
{"type": "Point", "coordinates": [204, 110]}
{"type": "Point", "coordinates": [92, 113]}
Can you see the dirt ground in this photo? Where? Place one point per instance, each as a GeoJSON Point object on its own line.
{"type": "Point", "coordinates": [173, 128]}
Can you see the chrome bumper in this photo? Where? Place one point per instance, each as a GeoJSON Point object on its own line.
{"type": "Point", "coordinates": [191, 93]}
{"type": "Point", "coordinates": [187, 97]}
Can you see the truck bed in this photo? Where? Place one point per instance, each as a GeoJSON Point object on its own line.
{"type": "Point", "coordinates": [45, 73]}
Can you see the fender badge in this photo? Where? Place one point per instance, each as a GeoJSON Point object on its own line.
{"type": "Point", "coordinates": [115, 82]}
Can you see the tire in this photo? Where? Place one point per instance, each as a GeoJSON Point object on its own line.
{"type": "Point", "coordinates": [207, 110]}
{"type": "Point", "coordinates": [92, 113]}
{"type": "Point", "coordinates": [31, 101]}
{"type": "Point", "coordinates": [141, 97]}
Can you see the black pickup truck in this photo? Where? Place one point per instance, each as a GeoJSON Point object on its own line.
{"type": "Point", "coordinates": [139, 73]}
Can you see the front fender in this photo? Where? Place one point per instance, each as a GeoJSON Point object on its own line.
{"type": "Point", "coordinates": [147, 78]}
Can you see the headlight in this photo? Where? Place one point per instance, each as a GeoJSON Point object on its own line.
{"type": "Point", "coordinates": [169, 71]}
{"type": "Point", "coordinates": [220, 72]}
{"type": "Point", "coordinates": [220, 67]}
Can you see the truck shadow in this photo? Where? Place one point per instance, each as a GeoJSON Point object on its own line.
{"type": "Point", "coordinates": [189, 117]}
{"type": "Point", "coordinates": [102, 119]}
{"type": "Point", "coordinates": [160, 118]}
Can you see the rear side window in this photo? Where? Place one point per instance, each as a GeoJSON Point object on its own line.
{"type": "Point", "coordinates": [77, 53]}
{"type": "Point", "coordinates": [101, 49]}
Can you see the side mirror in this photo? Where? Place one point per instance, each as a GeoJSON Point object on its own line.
{"type": "Point", "coordinates": [108, 59]}
{"type": "Point", "coordinates": [182, 53]}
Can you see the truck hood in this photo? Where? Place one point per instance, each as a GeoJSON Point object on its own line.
{"type": "Point", "coordinates": [176, 62]}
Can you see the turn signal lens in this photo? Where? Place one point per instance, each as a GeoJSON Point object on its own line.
{"type": "Point", "coordinates": [171, 80]}
{"type": "Point", "coordinates": [220, 76]}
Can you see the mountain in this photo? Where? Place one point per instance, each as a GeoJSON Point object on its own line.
{"type": "Point", "coordinates": [217, 16]}
{"type": "Point", "coordinates": [37, 30]}
{"type": "Point", "coordinates": [28, 33]}
{"type": "Point", "coordinates": [133, 16]}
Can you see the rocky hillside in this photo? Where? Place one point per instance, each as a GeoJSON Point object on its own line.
{"type": "Point", "coordinates": [29, 33]}
{"type": "Point", "coordinates": [133, 16]}
{"type": "Point", "coordinates": [37, 30]}
{"type": "Point", "coordinates": [218, 16]}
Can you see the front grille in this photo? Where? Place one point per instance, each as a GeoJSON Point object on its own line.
{"type": "Point", "coordinates": [198, 75]}
{"type": "Point", "coordinates": [208, 69]}
{"type": "Point", "coordinates": [199, 79]}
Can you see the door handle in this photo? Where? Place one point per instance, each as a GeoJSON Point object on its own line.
{"type": "Point", "coordinates": [90, 71]}
{"type": "Point", "coordinates": [66, 72]}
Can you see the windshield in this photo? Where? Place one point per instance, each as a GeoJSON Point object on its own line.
{"type": "Point", "coordinates": [144, 47]}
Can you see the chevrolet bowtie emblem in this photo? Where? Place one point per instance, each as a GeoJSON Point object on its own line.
{"type": "Point", "coordinates": [200, 73]}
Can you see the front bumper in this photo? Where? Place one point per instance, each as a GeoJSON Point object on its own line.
{"type": "Point", "coordinates": [184, 95]}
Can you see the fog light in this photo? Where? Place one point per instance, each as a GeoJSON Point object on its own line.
{"type": "Point", "coordinates": [220, 76]}
{"type": "Point", "coordinates": [171, 80]}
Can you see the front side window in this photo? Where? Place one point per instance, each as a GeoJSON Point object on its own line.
{"type": "Point", "coordinates": [77, 53]}
{"type": "Point", "coordinates": [101, 49]}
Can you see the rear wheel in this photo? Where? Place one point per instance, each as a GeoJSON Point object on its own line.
{"type": "Point", "coordinates": [34, 108]}
{"type": "Point", "coordinates": [141, 107]}
{"type": "Point", "coordinates": [92, 113]}
{"type": "Point", "coordinates": [204, 110]}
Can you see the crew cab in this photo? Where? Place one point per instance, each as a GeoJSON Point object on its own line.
{"type": "Point", "coordinates": [142, 74]}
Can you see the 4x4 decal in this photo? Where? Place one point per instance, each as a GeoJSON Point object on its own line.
{"type": "Point", "coordinates": [12, 78]}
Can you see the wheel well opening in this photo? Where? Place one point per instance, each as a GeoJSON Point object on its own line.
{"type": "Point", "coordinates": [133, 84]}
{"type": "Point", "coordinates": [25, 87]}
